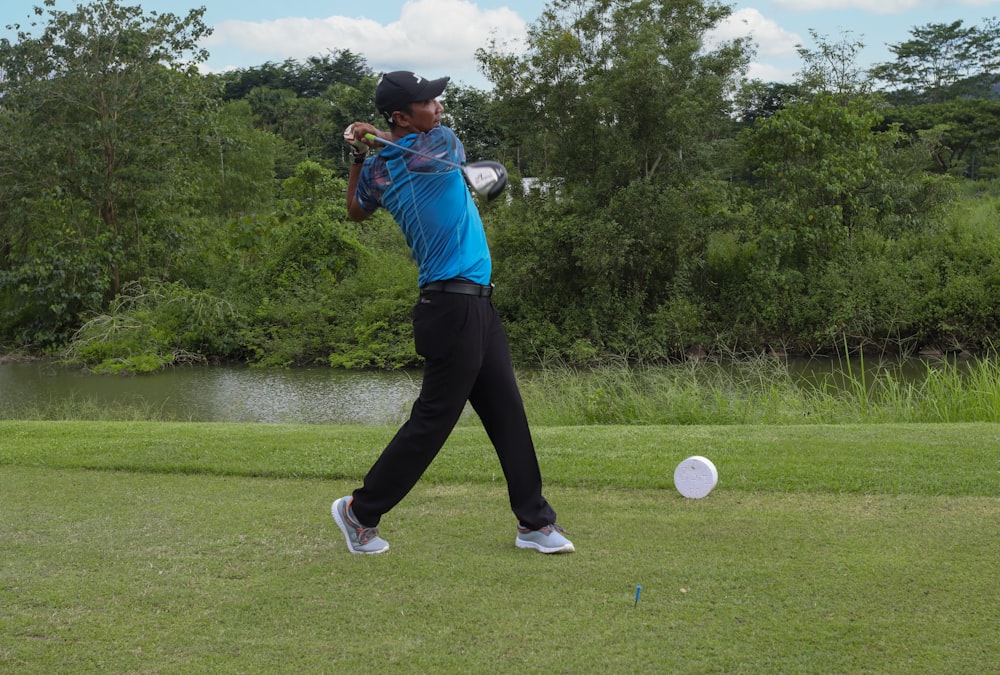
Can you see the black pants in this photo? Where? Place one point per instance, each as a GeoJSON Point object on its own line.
{"type": "Point", "coordinates": [466, 358]}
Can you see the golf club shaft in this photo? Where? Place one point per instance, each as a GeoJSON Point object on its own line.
{"type": "Point", "coordinates": [486, 179]}
{"type": "Point", "coordinates": [447, 162]}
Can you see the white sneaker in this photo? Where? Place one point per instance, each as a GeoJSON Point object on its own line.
{"type": "Point", "coordinates": [548, 539]}
{"type": "Point", "coordinates": [360, 539]}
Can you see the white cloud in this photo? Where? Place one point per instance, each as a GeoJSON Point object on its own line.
{"type": "Point", "coordinates": [431, 37]}
{"type": "Point", "coordinates": [767, 72]}
{"type": "Point", "coordinates": [870, 6]}
{"type": "Point", "coordinates": [771, 39]}
{"type": "Point", "coordinates": [882, 7]}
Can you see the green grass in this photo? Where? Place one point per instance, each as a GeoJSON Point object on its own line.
{"type": "Point", "coordinates": [172, 547]}
{"type": "Point", "coordinates": [765, 391]}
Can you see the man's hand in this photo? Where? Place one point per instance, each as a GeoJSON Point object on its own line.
{"type": "Point", "coordinates": [356, 139]}
{"type": "Point", "coordinates": [354, 135]}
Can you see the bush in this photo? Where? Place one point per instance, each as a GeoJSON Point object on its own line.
{"type": "Point", "coordinates": [150, 327]}
{"type": "Point", "coordinates": [374, 305]}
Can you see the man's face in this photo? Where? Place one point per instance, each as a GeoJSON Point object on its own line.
{"type": "Point", "coordinates": [423, 116]}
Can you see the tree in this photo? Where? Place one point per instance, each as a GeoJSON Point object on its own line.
{"type": "Point", "coordinates": [820, 162]}
{"type": "Point", "coordinates": [308, 79]}
{"type": "Point", "coordinates": [238, 164]}
{"type": "Point", "coordinates": [943, 62]}
{"type": "Point", "coordinates": [831, 67]}
{"type": "Point", "coordinates": [964, 134]}
{"type": "Point", "coordinates": [469, 111]}
{"type": "Point", "coordinates": [609, 92]}
{"type": "Point", "coordinates": [309, 246]}
{"type": "Point", "coordinates": [759, 100]}
{"type": "Point", "coordinates": [98, 110]}
{"type": "Point", "coordinates": [627, 108]}
{"type": "Point", "coordinates": [945, 84]}
{"type": "Point", "coordinates": [306, 104]}
{"type": "Point", "coordinates": [832, 186]}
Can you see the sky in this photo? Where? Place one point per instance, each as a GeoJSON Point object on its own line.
{"type": "Point", "coordinates": [440, 37]}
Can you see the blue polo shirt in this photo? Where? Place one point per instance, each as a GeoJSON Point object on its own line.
{"type": "Point", "coordinates": [431, 204]}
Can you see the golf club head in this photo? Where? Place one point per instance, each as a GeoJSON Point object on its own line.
{"type": "Point", "coordinates": [486, 178]}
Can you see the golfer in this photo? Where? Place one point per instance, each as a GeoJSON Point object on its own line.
{"type": "Point", "coordinates": [456, 329]}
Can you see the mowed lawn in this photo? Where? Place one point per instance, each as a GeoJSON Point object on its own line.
{"type": "Point", "coordinates": [173, 547]}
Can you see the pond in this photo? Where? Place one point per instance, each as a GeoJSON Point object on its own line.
{"type": "Point", "coordinates": [217, 393]}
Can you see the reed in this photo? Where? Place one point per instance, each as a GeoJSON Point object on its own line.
{"type": "Point", "coordinates": [762, 390]}
{"type": "Point", "coordinates": [81, 408]}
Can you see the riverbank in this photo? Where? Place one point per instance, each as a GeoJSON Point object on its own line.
{"type": "Point", "coordinates": [18, 357]}
{"type": "Point", "coordinates": [765, 390]}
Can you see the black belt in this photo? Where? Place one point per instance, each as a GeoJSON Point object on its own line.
{"type": "Point", "coordinates": [463, 287]}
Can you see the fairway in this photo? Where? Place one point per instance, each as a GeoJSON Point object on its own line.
{"type": "Point", "coordinates": [125, 568]}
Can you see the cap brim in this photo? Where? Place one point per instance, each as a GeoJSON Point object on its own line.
{"type": "Point", "coordinates": [434, 88]}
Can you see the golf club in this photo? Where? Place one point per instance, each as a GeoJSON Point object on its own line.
{"type": "Point", "coordinates": [486, 178]}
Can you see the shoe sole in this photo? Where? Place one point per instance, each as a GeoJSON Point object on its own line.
{"type": "Point", "coordinates": [565, 548]}
{"type": "Point", "coordinates": [335, 512]}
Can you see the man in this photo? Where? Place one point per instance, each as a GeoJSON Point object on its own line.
{"type": "Point", "coordinates": [456, 329]}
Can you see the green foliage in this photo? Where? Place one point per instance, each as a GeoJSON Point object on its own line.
{"type": "Point", "coordinates": [606, 279]}
{"type": "Point", "coordinates": [831, 67]}
{"type": "Point", "coordinates": [963, 135]}
{"type": "Point", "coordinates": [239, 164]}
{"type": "Point", "coordinates": [832, 197]}
{"type": "Point", "coordinates": [817, 245]}
{"type": "Point", "coordinates": [291, 327]}
{"type": "Point", "coordinates": [101, 109]}
{"type": "Point", "coordinates": [306, 104]}
{"type": "Point", "coordinates": [54, 276]}
{"type": "Point", "coordinates": [153, 326]}
{"type": "Point", "coordinates": [305, 123]}
{"type": "Point", "coordinates": [608, 93]}
{"type": "Point", "coordinates": [358, 320]}
{"type": "Point", "coordinates": [944, 87]}
{"type": "Point", "coordinates": [299, 254]}
{"type": "Point", "coordinates": [757, 99]}
{"type": "Point", "coordinates": [821, 161]}
{"type": "Point", "coordinates": [663, 223]}
{"type": "Point", "coordinates": [961, 273]}
{"type": "Point", "coordinates": [309, 78]}
{"type": "Point", "coordinates": [373, 309]}
{"type": "Point", "coordinates": [623, 104]}
{"type": "Point", "coordinates": [470, 113]}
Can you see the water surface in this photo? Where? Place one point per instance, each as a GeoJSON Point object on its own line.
{"type": "Point", "coordinates": [217, 393]}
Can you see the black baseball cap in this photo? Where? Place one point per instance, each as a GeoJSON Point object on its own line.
{"type": "Point", "coordinates": [398, 89]}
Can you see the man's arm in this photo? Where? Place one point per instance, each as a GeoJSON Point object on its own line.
{"type": "Point", "coordinates": [354, 210]}
{"type": "Point", "coordinates": [354, 135]}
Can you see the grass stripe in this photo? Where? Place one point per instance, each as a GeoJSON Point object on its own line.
{"type": "Point", "coordinates": [932, 459]}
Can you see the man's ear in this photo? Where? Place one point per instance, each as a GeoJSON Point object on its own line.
{"type": "Point", "coordinates": [401, 119]}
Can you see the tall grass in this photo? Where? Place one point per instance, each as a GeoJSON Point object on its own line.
{"type": "Point", "coordinates": [80, 408]}
{"type": "Point", "coordinates": [763, 391]}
